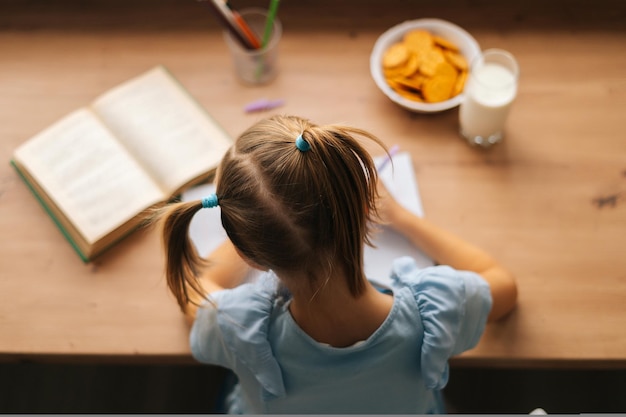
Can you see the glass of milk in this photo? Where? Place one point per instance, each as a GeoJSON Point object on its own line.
{"type": "Point", "coordinates": [489, 93]}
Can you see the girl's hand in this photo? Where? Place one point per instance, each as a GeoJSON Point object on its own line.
{"type": "Point", "coordinates": [389, 210]}
{"type": "Point", "coordinates": [446, 248]}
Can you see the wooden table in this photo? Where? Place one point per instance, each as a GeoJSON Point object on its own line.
{"type": "Point", "coordinates": [549, 202]}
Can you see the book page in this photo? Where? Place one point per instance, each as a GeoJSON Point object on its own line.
{"type": "Point", "coordinates": [163, 127]}
{"type": "Point", "coordinates": [207, 233]}
{"type": "Point", "coordinates": [88, 174]}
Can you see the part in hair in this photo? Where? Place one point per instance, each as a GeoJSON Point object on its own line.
{"type": "Point", "coordinates": [300, 212]}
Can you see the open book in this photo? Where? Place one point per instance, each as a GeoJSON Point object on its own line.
{"type": "Point", "coordinates": [207, 233]}
{"type": "Point", "coordinates": [97, 170]}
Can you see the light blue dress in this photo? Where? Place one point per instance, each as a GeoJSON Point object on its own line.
{"type": "Point", "coordinates": [437, 312]}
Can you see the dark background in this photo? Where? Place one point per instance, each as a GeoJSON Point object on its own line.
{"type": "Point", "coordinates": [115, 388]}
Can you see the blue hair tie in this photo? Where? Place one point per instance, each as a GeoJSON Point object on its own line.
{"type": "Point", "coordinates": [302, 144]}
{"type": "Point", "coordinates": [210, 201]}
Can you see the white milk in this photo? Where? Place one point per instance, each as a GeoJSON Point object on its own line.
{"type": "Point", "coordinates": [489, 93]}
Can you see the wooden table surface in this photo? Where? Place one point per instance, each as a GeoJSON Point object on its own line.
{"type": "Point", "coordinates": [549, 202]}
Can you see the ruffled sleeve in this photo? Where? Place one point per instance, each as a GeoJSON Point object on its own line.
{"type": "Point", "coordinates": [235, 335]}
{"type": "Point", "coordinates": [453, 306]}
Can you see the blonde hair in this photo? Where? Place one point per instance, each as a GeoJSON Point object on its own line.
{"type": "Point", "coordinates": [285, 209]}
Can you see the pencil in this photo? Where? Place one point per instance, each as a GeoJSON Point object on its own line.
{"type": "Point", "coordinates": [225, 16]}
{"type": "Point", "coordinates": [269, 23]}
{"type": "Point", "coordinates": [394, 150]}
{"type": "Point", "coordinates": [247, 32]}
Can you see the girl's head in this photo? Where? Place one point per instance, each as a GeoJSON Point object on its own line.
{"type": "Point", "coordinates": [300, 212]}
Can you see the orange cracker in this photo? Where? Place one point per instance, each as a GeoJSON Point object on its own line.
{"type": "Point", "coordinates": [418, 40]}
{"type": "Point", "coordinates": [414, 83]}
{"type": "Point", "coordinates": [456, 59]}
{"type": "Point", "coordinates": [460, 83]}
{"type": "Point", "coordinates": [430, 61]}
{"type": "Point", "coordinates": [411, 66]}
{"type": "Point", "coordinates": [414, 96]}
{"type": "Point", "coordinates": [395, 56]}
{"type": "Point", "coordinates": [438, 89]}
{"type": "Point", "coordinates": [444, 43]}
{"type": "Point", "coordinates": [447, 70]}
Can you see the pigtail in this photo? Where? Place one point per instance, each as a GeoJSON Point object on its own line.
{"type": "Point", "coordinates": [348, 187]}
{"type": "Point", "coordinates": [183, 264]}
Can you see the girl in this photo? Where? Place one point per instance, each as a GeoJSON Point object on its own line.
{"type": "Point", "coordinates": [313, 336]}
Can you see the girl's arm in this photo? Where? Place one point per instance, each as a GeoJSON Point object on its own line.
{"type": "Point", "coordinates": [226, 270]}
{"type": "Point", "coordinates": [447, 249]}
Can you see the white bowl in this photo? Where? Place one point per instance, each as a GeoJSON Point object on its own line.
{"type": "Point", "coordinates": [463, 40]}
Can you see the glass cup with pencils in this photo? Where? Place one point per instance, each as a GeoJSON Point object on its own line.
{"type": "Point", "coordinates": [255, 48]}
